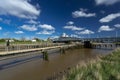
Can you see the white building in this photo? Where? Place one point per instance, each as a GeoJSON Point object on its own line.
{"type": "Point", "coordinates": [34, 40]}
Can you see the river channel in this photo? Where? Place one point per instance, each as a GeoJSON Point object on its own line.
{"type": "Point", "coordinates": [32, 66]}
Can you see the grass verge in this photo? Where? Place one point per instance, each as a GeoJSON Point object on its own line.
{"type": "Point", "coordinates": [104, 68]}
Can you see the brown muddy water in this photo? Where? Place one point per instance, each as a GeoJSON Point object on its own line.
{"type": "Point", "coordinates": [37, 69]}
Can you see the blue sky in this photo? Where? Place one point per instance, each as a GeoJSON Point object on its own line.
{"type": "Point", "coordinates": [51, 18]}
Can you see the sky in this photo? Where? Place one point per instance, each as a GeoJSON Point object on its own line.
{"type": "Point", "coordinates": [52, 18]}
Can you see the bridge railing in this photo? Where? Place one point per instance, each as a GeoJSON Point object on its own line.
{"type": "Point", "coordinates": [16, 47]}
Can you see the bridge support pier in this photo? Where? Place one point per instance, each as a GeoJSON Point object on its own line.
{"type": "Point", "coordinates": [62, 50]}
{"type": "Point", "coordinates": [45, 55]}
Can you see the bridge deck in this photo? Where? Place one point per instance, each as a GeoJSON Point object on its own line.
{"type": "Point", "coordinates": [32, 50]}
{"type": "Point", "coordinates": [28, 50]}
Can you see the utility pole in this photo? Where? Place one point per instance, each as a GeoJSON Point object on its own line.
{"type": "Point", "coordinates": [116, 36]}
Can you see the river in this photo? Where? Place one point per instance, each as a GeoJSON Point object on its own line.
{"type": "Point", "coordinates": [32, 67]}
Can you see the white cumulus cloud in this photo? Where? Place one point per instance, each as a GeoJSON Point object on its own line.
{"type": "Point", "coordinates": [105, 28]}
{"type": "Point", "coordinates": [70, 23]}
{"type": "Point", "coordinates": [110, 17]}
{"type": "Point", "coordinates": [106, 2]}
{"type": "Point", "coordinates": [74, 35]}
{"type": "Point", "coordinates": [46, 27]}
{"type": "Point", "coordinates": [0, 28]}
{"type": "Point", "coordinates": [19, 32]}
{"type": "Point", "coordinates": [82, 13]}
{"type": "Point", "coordinates": [86, 32]}
{"type": "Point", "coordinates": [33, 22]}
{"type": "Point", "coordinates": [45, 32]}
{"type": "Point", "coordinates": [73, 28]}
{"type": "Point", "coordinates": [6, 21]}
{"type": "Point", "coordinates": [53, 37]}
{"type": "Point", "coordinates": [117, 25]}
{"type": "Point", "coordinates": [18, 8]}
{"type": "Point", "coordinates": [29, 27]}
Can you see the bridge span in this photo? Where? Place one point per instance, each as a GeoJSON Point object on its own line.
{"type": "Point", "coordinates": [102, 40]}
{"type": "Point", "coordinates": [98, 40]}
{"type": "Point", "coordinates": [99, 43]}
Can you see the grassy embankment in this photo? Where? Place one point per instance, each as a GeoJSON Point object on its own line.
{"type": "Point", "coordinates": [104, 68]}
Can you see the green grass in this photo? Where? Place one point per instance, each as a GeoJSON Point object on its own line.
{"type": "Point", "coordinates": [105, 68]}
